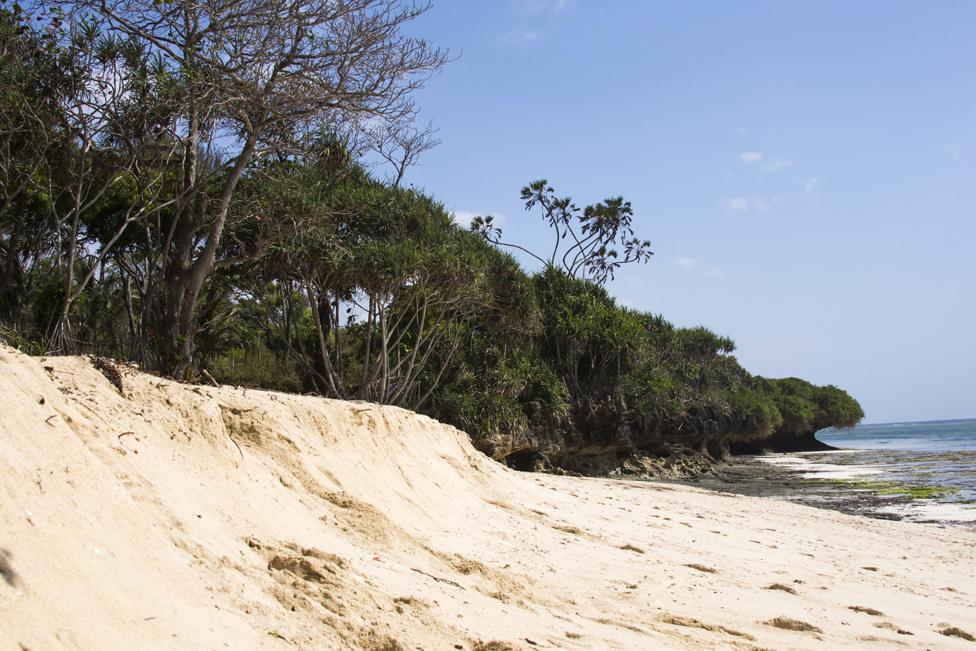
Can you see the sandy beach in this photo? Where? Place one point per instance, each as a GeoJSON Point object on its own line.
{"type": "Point", "coordinates": [168, 516]}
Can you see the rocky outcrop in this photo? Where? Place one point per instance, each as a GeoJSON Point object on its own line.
{"type": "Point", "coordinates": [604, 443]}
{"type": "Point", "coordinates": [610, 440]}
{"type": "Point", "coordinates": [782, 442]}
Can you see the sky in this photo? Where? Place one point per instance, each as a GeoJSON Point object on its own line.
{"type": "Point", "coordinates": [806, 172]}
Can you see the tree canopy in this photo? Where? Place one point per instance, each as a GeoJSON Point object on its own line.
{"type": "Point", "coordinates": [185, 185]}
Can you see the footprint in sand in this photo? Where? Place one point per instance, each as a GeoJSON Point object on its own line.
{"type": "Point", "coordinates": [6, 571]}
{"type": "Point", "coordinates": [789, 624]}
{"type": "Point", "coordinates": [691, 622]}
{"type": "Point", "coordinates": [780, 586]}
{"type": "Point", "coordinates": [892, 627]}
{"type": "Point", "coordinates": [954, 631]}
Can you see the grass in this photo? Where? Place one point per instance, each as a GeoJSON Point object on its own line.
{"type": "Point", "coordinates": [278, 636]}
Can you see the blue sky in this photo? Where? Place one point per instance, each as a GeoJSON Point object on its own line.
{"type": "Point", "coordinates": [806, 172]}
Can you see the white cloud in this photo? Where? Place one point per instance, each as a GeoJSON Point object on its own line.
{"type": "Point", "coordinates": [693, 266]}
{"type": "Point", "coordinates": [541, 6]}
{"type": "Point", "coordinates": [740, 131]}
{"type": "Point", "coordinates": [531, 12]}
{"type": "Point", "coordinates": [463, 218]}
{"type": "Point", "coordinates": [757, 203]}
{"type": "Point", "coordinates": [751, 157]}
{"type": "Point", "coordinates": [763, 203]}
{"type": "Point", "coordinates": [776, 165]}
{"type": "Point", "coordinates": [519, 37]}
{"type": "Point", "coordinates": [953, 151]}
{"type": "Point", "coordinates": [811, 185]}
{"type": "Point", "coordinates": [737, 204]}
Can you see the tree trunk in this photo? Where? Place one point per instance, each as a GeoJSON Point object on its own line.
{"type": "Point", "coordinates": [187, 276]}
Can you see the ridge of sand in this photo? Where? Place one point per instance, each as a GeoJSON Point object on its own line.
{"type": "Point", "coordinates": [176, 516]}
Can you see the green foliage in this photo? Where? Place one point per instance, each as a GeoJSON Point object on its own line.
{"type": "Point", "coordinates": [837, 408]}
{"type": "Point", "coordinates": [328, 280]}
{"type": "Point", "coordinates": [257, 366]}
{"type": "Point", "coordinates": [759, 414]}
{"type": "Point", "coordinates": [806, 408]}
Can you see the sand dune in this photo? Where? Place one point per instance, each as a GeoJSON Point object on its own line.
{"type": "Point", "coordinates": [177, 517]}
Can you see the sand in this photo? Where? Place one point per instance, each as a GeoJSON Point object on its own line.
{"type": "Point", "coordinates": [182, 517]}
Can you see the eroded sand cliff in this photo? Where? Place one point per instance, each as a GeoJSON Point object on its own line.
{"type": "Point", "coordinates": [174, 516]}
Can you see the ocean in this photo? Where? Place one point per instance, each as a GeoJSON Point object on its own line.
{"type": "Point", "coordinates": [918, 471]}
{"type": "Point", "coordinates": [927, 436]}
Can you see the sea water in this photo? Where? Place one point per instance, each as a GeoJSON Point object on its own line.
{"type": "Point", "coordinates": [927, 436]}
{"type": "Point", "coordinates": [932, 463]}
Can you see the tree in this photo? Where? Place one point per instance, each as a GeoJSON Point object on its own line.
{"type": "Point", "coordinates": [28, 111]}
{"type": "Point", "coordinates": [402, 144]}
{"type": "Point", "coordinates": [259, 77]}
{"type": "Point", "coordinates": [112, 124]}
{"type": "Point", "coordinates": [406, 281]}
{"type": "Point", "coordinates": [584, 242]}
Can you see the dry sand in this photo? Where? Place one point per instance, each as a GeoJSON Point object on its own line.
{"type": "Point", "coordinates": [181, 517]}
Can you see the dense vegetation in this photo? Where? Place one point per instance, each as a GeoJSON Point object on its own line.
{"type": "Point", "coordinates": [184, 186]}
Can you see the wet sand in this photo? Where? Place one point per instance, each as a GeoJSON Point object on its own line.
{"type": "Point", "coordinates": [882, 484]}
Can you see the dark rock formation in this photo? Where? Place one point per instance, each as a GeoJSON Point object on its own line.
{"type": "Point", "coordinates": [602, 443]}
{"type": "Point", "coordinates": [610, 437]}
{"type": "Point", "coordinates": [782, 442]}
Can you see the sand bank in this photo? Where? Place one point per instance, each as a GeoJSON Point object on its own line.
{"type": "Point", "coordinates": [170, 516]}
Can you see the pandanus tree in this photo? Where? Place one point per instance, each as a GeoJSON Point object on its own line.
{"type": "Point", "coordinates": [28, 115]}
{"type": "Point", "coordinates": [592, 243]}
{"type": "Point", "coordinates": [117, 119]}
{"type": "Point", "coordinates": [258, 77]}
{"type": "Point", "coordinates": [388, 280]}
{"type": "Point", "coordinates": [589, 340]}
{"type": "Point", "coordinates": [85, 118]}
{"type": "Point", "coordinates": [417, 280]}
